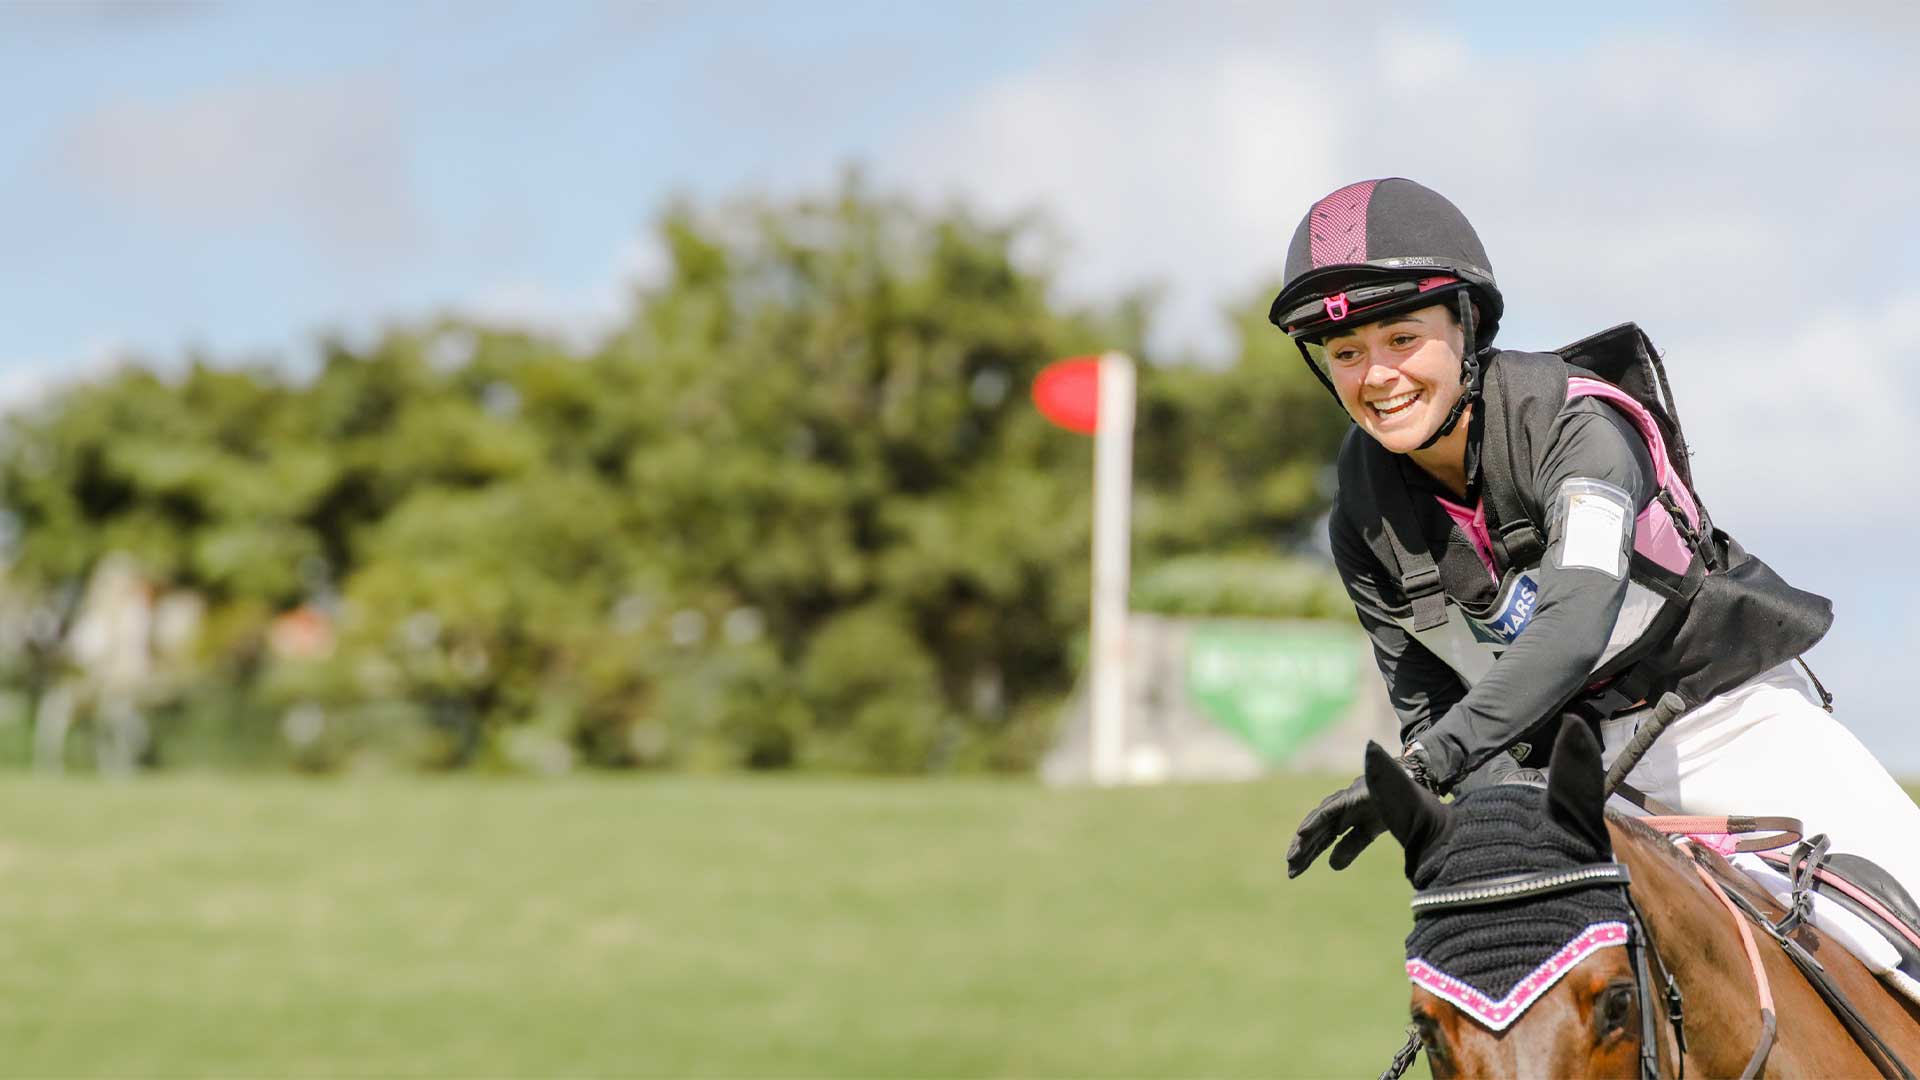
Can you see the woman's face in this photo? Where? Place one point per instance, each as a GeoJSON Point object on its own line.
{"type": "Point", "coordinates": [1399, 377]}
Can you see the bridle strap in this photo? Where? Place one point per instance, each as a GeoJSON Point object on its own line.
{"type": "Point", "coordinates": [1644, 955]}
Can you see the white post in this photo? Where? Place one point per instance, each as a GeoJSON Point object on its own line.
{"type": "Point", "coordinates": [1112, 512]}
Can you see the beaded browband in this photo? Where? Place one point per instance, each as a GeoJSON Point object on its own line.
{"type": "Point", "coordinates": [1497, 890]}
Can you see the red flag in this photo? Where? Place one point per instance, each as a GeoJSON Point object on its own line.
{"type": "Point", "coordinates": [1068, 393]}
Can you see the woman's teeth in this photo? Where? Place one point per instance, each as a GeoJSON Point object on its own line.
{"type": "Point", "coordinates": [1394, 405]}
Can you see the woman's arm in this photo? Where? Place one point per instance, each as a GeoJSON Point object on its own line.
{"type": "Point", "coordinates": [1551, 660]}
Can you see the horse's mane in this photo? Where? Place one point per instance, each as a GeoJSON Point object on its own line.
{"type": "Point", "coordinates": [1658, 842]}
{"type": "Point", "coordinates": [1691, 859]}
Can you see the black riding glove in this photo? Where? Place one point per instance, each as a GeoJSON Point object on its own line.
{"type": "Point", "coordinates": [1349, 812]}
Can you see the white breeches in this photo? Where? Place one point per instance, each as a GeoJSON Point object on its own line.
{"type": "Point", "coordinates": [1767, 747]}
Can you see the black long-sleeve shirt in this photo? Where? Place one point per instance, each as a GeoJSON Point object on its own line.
{"type": "Point", "coordinates": [1573, 618]}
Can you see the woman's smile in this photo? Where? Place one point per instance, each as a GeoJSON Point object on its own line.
{"type": "Point", "coordinates": [1396, 405]}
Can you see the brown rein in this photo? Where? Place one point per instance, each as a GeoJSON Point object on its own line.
{"type": "Point", "coordinates": [1772, 832]}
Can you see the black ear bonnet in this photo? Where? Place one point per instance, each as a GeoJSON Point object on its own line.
{"type": "Point", "coordinates": [1499, 830]}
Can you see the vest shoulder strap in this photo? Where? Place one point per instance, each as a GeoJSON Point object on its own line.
{"type": "Point", "coordinates": [1524, 393]}
{"type": "Point", "coordinates": [1394, 534]}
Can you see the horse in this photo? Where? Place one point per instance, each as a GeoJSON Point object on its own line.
{"type": "Point", "coordinates": [1554, 937]}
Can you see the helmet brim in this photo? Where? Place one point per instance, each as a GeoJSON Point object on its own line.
{"type": "Point", "coordinates": [1331, 281]}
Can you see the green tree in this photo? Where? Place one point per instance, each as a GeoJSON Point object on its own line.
{"type": "Point", "coordinates": [795, 511]}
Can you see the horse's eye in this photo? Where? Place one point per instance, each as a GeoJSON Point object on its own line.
{"type": "Point", "coordinates": [1613, 1009]}
{"type": "Point", "coordinates": [1432, 1039]}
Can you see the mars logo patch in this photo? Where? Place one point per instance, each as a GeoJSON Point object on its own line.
{"type": "Point", "coordinates": [1513, 615]}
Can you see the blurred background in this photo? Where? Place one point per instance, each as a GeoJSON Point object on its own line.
{"type": "Point", "coordinates": [527, 548]}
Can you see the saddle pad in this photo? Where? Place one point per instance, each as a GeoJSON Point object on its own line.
{"type": "Point", "coordinates": [1859, 937]}
{"type": "Point", "coordinates": [1864, 891]}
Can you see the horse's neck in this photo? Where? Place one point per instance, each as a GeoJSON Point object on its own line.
{"type": "Point", "coordinates": [1698, 942]}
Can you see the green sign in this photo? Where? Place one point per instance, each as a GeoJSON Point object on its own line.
{"type": "Point", "coordinates": [1275, 686]}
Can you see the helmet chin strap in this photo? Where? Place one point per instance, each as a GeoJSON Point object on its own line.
{"type": "Point", "coordinates": [1317, 373]}
{"type": "Point", "coordinates": [1470, 373]}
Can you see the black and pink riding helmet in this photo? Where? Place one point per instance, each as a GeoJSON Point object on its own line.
{"type": "Point", "coordinates": [1380, 247]}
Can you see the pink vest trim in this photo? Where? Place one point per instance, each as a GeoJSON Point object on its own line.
{"type": "Point", "coordinates": [1655, 537]}
{"type": "Point", "coordinates": [1578, 387]}
{"type": "Point", "coordinates": [1654, 533]}
{"type": "Point", "coordinates": [1497, 1015]}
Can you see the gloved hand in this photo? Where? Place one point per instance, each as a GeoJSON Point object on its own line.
{"type": "Point", "coordinates": [1349, 812]}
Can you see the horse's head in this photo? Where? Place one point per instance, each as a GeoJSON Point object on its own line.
{"type": "Point", "coordinates": [1514, 968]}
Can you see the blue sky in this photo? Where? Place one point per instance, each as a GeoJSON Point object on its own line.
{"type": "Point", "coordinates": [239, 177]}
{"type": "Point", "coordinates": [1738, 178]}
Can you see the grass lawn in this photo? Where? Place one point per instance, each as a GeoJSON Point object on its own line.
{"type": "Point", "coordinates": [685, 927]}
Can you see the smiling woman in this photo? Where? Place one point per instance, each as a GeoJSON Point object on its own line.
{"type": "Point", "coordinates": [1520, 537]}
{"type": "Point", "coordinates": [1399, 379]}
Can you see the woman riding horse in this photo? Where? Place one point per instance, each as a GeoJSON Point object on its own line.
{"type": "Point", "coordinates": [1521, 542]}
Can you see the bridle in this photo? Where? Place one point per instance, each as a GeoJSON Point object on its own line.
{"type": "Point", "coordinates": [1641, 951]}
{"type": "Point", "coordinates": [1764, 833]}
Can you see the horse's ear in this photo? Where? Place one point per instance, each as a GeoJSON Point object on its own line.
{"type": "Point", "coordinates": [1414, 815]}
{"type": "Point", "coordinates": [1576, 784]}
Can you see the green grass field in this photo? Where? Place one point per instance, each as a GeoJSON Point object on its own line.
{"type": "Point", "coordinates": [674, 927]}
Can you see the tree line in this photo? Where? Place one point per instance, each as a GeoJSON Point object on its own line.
{"type": "Point", "coordinates": [795, 511]}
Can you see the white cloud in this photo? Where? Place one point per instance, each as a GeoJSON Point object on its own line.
{"type": "Point", "coordinates": [1645, 177]}
{"type": "Point", "coordinates": [1814, 417]}
{"type": "Point", "coordinates": [1187, 171]}
{"type": "Point", "coordinates": [1728, 192]}
{"type": "Point", "coordinates": [328, 158]}
{"type": "Point", "coordinates": [1743, 191]}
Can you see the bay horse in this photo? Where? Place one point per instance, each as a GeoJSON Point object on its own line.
{"type": "Point", "coordinates": [1522, 891]}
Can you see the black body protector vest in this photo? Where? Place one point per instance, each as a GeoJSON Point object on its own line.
{"type": "Point", "coordinates": [1700, 617]}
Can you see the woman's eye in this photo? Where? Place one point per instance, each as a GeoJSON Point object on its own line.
{"type": "Point", "coordinates": [1401, 341]}
{"type": "Point", "coordinates": [1344, 356]}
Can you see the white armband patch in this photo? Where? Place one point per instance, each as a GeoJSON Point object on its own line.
{"type": "Point", "coordinates": [1596, 526]}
